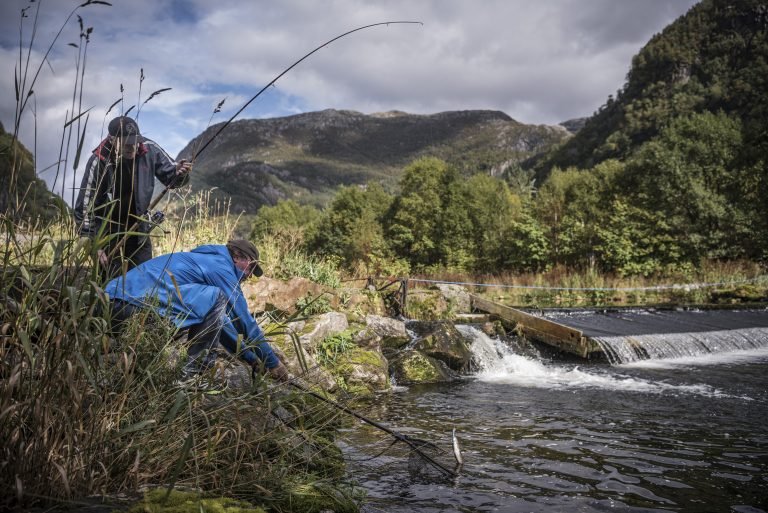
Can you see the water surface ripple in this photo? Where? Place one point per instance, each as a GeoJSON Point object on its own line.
{"type": "Point", "coordinates": [538, 436]}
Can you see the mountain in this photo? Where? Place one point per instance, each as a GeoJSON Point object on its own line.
{"type": "Point", "coordinates": [306, 157]}
{"type": "Point", "coordinates": [713, 59]}
{"type": "Point", "coordinates": [22, 194]}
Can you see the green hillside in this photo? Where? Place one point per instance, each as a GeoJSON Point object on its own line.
{"type": "Point", "coordinates": [669, 177]}
{"type": "Point", "coordinates": [22, 195]}
{"type": "Point", "coordinates": [714, 58]}
{"type": "Point", "coordinates": [308, 156]}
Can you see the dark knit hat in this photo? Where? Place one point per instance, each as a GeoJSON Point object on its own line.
{"type": "Point", "coordinates": [249, 251]}
{"type": "Point", "coordinates": [125, 127]}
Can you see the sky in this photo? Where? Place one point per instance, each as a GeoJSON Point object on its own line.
{"type": "Point", "coordinates": [540, 62]}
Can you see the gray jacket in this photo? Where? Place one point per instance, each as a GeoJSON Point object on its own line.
{"type": "Point", "coordinates": [94, 200]}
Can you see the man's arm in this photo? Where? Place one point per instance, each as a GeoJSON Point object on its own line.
{"type": "Point", "coordinates": [169, 172]}
{"type": "Point", "coordinates": [254, 345]}
{"type": "Point", "coordinates": [92, 195]}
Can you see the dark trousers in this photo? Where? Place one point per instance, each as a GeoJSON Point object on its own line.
{"type": "Point", "coordinates": [135, 251]}
{"type": "Point", "coordinates": [202, 338]}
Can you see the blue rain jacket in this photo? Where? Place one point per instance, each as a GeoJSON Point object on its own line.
{"type": "Point", "coordinates": [184, 287]}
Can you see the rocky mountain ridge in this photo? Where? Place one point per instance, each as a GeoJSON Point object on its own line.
{"type": "Point", "coordinates": [308, 156]}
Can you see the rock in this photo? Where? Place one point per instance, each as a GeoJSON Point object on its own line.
{"type": "Point", "coordinates": [415, 367]}
{"type": "Point", "coordinates": [426, 305]}
{"type": "Point", "coordinates": [268, 294]}
{"type": "Point", "coordinates": [314, 375]}
{"type": "Point", "coordinates": [442, 341]}
{"type": "Point", "coordinates": [493, 329]}
{"type": "Point", "coordinates": [390, 332]}
{"type": "Point", "coordinates": [364, 371]}
{"type": "Point", "coordinates": [456, 296]}
{"type": "Point", "coordinates": [359, 304]}
{"type": "Point", "coordinates": [324, 326]}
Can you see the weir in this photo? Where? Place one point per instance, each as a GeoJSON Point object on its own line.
{"type": "Point", "coordinates": [632, 334]}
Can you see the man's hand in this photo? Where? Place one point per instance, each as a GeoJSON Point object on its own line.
{"type": "Point", "coordinates": [280, 373]}
{"type": "Point", "coordinates": [103, 258]}
{"type": "Point", "coordinates": [183, 167]}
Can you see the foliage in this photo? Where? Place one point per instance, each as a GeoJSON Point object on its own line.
{"type": "Point", "coordinates": [313, 305]}
{"type": "Point", "coordinates": [350, 227]}
{"type": "Point", "coordinates": [331, 348]}
{"type": "Point", "coordinates": [287, 219]}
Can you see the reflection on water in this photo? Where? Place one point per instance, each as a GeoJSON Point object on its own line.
{"type": "Point", "coordinates": [683, 435]}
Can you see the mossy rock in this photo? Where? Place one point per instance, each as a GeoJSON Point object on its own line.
{"type": "Point", "coordinates": [363, 371]}
{"type": "Point", "coordinates": [415, 367]}
{"type": "Point", "coordinates": [444, 342]}
{"type": "Point", "coordinates": [159, 501]}
{"type": "Point", "coordinates": [428, 305]}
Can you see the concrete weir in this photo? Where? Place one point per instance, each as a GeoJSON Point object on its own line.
{"type": "Point", "coordinates": [631, 334]}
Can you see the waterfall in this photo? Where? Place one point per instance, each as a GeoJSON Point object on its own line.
{"type": "Point", "coordinates": [627, 349]}
{"type": "Point", "coordinates": [497, 363]}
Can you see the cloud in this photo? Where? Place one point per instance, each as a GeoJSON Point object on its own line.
{"type": "Point", "coordinates": [540, 62]}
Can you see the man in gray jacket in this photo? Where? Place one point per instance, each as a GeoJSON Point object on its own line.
{"type": "Point", "coordinates": [116, 191]}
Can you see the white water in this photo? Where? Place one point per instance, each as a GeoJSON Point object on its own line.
{"type": "Point", "coordinates": [498, 364]}
{"type": "Point", "coordinates": [625, 349]}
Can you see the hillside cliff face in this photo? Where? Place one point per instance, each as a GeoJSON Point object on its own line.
{"type": "Point", "coordinates": [307, 156]}
{"type": "Point", "coordinates": [23, 196]}
{"type": "Point", "coordinates": [712, 59]}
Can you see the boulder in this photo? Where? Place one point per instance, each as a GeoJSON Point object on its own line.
{"type": "Point", "coordinates": [415, 367]}
{"type": "Point", "coordinates": [324, 326]}
{"type": "Point", "coordinates": [456, 296]}
{"type": "Point", "coordinates": [359, 304]}
{"type": "Point", "coordinates": [364, 371]}
{"type": "Point", "coordinates": [383, 332]}
{"type": "Point", "coordinates": [427, 305]}
{"type": "Point", "coordinates": [315, 375]}
{"type": "Point", "coordinates": [267, 294]}
{"type": "Point", "coordinates": [442, 341]}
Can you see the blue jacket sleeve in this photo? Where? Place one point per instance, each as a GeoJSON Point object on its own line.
{"type": "Point", "coordinates": [242, 320]}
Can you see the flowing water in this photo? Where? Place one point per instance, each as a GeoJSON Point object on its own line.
{"type": "Point", "coordinates": [685, 434]}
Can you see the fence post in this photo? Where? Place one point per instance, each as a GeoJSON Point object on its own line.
{"type": "Point", "coordinates": [403, 295]}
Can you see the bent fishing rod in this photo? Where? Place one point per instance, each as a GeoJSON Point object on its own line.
{"type": "Point", "coordinates": [173, 182]}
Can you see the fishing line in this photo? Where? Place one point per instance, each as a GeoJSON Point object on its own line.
{"type": "Point", "coordinates": [162, 193]}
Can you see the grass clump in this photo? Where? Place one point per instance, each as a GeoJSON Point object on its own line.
{"type": "Point", "coordinates": [176, 501]}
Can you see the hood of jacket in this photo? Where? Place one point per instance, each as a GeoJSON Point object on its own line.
{"type": "Point", "coordinates": [222, 251]}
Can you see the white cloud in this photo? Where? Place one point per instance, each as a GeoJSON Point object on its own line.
{"type": "Point", "coordinates": [540, 62]}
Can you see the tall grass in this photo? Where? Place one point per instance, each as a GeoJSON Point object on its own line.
{"type": "Point", "coordinates": [85, 411]}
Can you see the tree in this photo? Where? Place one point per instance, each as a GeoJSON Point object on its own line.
{"type": "Point", "coordinates": [492, 208]}
{"type": "Point", "coordinates": [350, 227]}
{"type": "Point", "coordinates": [414, 222]}
{"type": "Point", "coordinates": [688, 174]}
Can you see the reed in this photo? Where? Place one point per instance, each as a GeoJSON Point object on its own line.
{"type": "Point", "coordinates": [86, 411]}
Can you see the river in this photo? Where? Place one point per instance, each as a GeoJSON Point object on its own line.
{"type": "Point", "coordinates": [545, 436]}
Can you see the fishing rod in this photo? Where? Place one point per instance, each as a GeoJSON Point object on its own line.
{"type": "Point", "coordinates": [173, 182]}
{"type": "Point", "coordinates": [414, 443]}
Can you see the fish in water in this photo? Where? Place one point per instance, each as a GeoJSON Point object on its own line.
{"type": "Point", "coordinates": [456, 448]}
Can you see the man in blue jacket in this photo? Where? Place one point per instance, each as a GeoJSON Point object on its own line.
{"type": "Point", "coordinates": [200, 290]}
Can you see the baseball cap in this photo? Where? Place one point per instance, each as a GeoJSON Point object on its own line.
{"type": "Point", "coordinates": [249, 251]}
{"type": "Point", "coordinates": [125, 127]}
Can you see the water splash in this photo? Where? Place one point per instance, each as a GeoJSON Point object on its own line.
{"type": "Point", "coordinates": [496, 363]}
